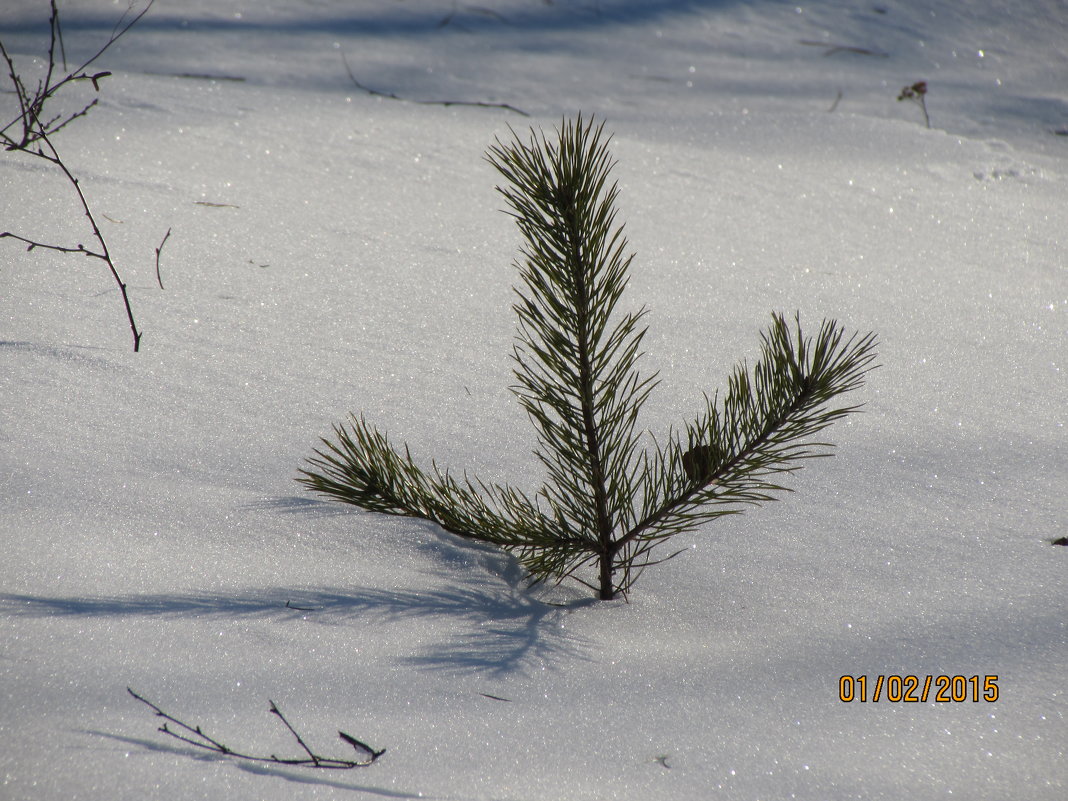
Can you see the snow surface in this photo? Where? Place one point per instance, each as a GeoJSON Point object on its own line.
{"type": "Point", "coordinates": [355, 259]}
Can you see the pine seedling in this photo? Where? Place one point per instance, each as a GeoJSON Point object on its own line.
{"type": "Point", "coordinates": [612, 493]}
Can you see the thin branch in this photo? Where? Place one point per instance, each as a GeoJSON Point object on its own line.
{"type": "Point", "coordinates": [276, 711]}
{"type": "Point", "coordinates": [105, 254]}
{"type": "Point", "coordinates": [61, 248]}
{"type": "Point", "coordinates": [52, 127]}
{"type": "Point", "coordinates": [35, 139]}
{"type": "Point", "coordinates": [211, 743]}
{"type": "Point", "coordinates": [59, 35]}
{"type": "Point", "coordinates": [361, 746]}
{"type": "Point", "coordinates": [200, 76]}
{"type": "Point", "coordinates": [670, 505]}
{"type": "Point", "coordinates": [391, 96]}
{"type": "Point", "coordinates": [205, 741]}
{"type": "Point", "coordinates": [166, 236]}
{"type": "Point", "coordinates": [48, 89]}
{"type": "Point", "coordinates": [831, 49]}
{"type": "Point", "coordinates": [21, 93]}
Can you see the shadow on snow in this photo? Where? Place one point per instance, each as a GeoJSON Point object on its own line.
{"type": "Point", "coordinates": [507, 629]}
{"type": "Point", "coordinates": [312, 777]}
{"type": "Point", "coordinates": [384, 20]}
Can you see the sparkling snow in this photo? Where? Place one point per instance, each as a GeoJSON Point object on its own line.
{"type": "Point", "coordinates": [335, 252]}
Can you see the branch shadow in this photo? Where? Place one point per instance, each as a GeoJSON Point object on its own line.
{"type": "Point", "coordinates": [508, 630]}
{"type": "Point", "coordinates": [313, 777]}
{"type": "Point", "coordinates": [296, 505]}
{"type": "Point", "coordinates": [80, 355]}
{"type": "Point", "coordinates": [509, 624]}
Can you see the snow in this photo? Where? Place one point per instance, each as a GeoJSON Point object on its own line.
{"type": "Point", "coordinates": [355, 260]}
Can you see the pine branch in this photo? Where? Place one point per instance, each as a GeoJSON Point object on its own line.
{"type": "Point", "coordinates": [607, 501]}
{"type": "Point", "coordinates": [574, 271]}
{"type": "Point", "coordinates": [760, 430]}
{"type": "Point", "coordinates": [362, 468]}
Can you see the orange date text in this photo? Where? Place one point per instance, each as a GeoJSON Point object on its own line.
{"type": "Point", "coordinates": [911, 689]}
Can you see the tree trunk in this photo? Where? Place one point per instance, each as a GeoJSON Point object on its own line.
{"type": "Point", "coordinates": [608, 590]}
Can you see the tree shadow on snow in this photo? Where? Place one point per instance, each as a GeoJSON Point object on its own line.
{"type": "Point", "coordinates": [508, 629]}
{"type": "Point", "coordinates": [383, 20]}
{"type": "Point", "coordinates": [507, 633]}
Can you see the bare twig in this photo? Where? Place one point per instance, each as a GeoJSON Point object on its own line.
{"type": "Point", "coordinates": [361, 746]}
{"type": "Point", "coordinates": [166, 236]}
{"type": "Point", "coordinates": [486, 12]}
{"type": "Point", "coordinates": [201, 740]}
{"type": "Point", "coordinates": [31, 244]}
{"type": "Point", "coordinates": [276, 711]}
{"type": "Point", "coordinates": [831, 49]}
{"type": "Point", "coordinates": [200, 76]}
{"type": "Point", "coordinates": [52, 127]}
{"type": "Point", "coordinates": [34, 138]}
{"type": "Point", "coordinates": [47, 89]}
{"type": "Point", "coordinates": [392, 96]}
{"type": "Point", "coordinates": [103, 254]}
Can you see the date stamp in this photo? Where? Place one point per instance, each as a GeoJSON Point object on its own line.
{"type": "Point", "coordinates": [912, 689]}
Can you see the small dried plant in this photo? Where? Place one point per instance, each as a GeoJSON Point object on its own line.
{"type": "Point", "coordinates": [917, 93]}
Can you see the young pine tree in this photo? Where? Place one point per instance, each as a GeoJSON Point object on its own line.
{"type": "Point", "coordinates": [612, 494]}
